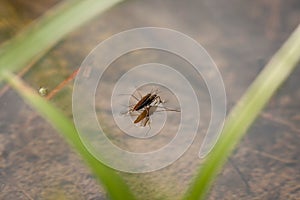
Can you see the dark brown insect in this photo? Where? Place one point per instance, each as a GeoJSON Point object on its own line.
{"type": "Point", "coordinates": [141, 103]}
{"type": "Point", "coordinates": [143, 116]}
{"type": "Point", "coordinates": [145, 101]}
{"type": "Point", "coordinates": [146, 106]}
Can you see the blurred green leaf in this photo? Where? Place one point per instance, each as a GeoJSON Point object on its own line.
{"type": "Point", "coordinates": [111, 181]}
{"type": "Point", "coordinates": [33, 42]}
{"type": "Point", "coordinates": [245, 112]}
{"type": "Point", "coordinates": [43, 34]}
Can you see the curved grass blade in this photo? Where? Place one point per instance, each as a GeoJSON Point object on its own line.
{"type": "Point", "coordinates": [110, 180]}
{"type": "Point", "coordinates": [43, 34]}
{"type": "Point", "coordinates": [246, 111]}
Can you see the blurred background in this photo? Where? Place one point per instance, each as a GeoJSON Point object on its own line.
{"type": "Point", "coordinates": [241, 36]}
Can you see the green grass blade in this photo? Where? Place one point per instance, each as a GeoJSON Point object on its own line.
{"type": "Point", "coordinates": [246, 111]}
{"type": "Point", "coordinates": [48, 30]}
{"type": "Point", "coordinates": [110, 180]}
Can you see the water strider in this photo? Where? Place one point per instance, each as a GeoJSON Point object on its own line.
{"type": "Point", "coordinates": [146, 106]}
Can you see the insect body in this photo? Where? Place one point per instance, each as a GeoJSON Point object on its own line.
{"type": "Point", "coordinates": [146, 106]}
{"type": "Point", "coordinates": [145, 101]}
{"type": "Point", "coordinates": [141, 103]}
{"type": "Point", "coordinates": [144, 117]}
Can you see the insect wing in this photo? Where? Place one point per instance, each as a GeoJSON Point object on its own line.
{"type": "Point", "coordinates": [141, 116]}
{"type": "Point", "coordinates": [141, 103]}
